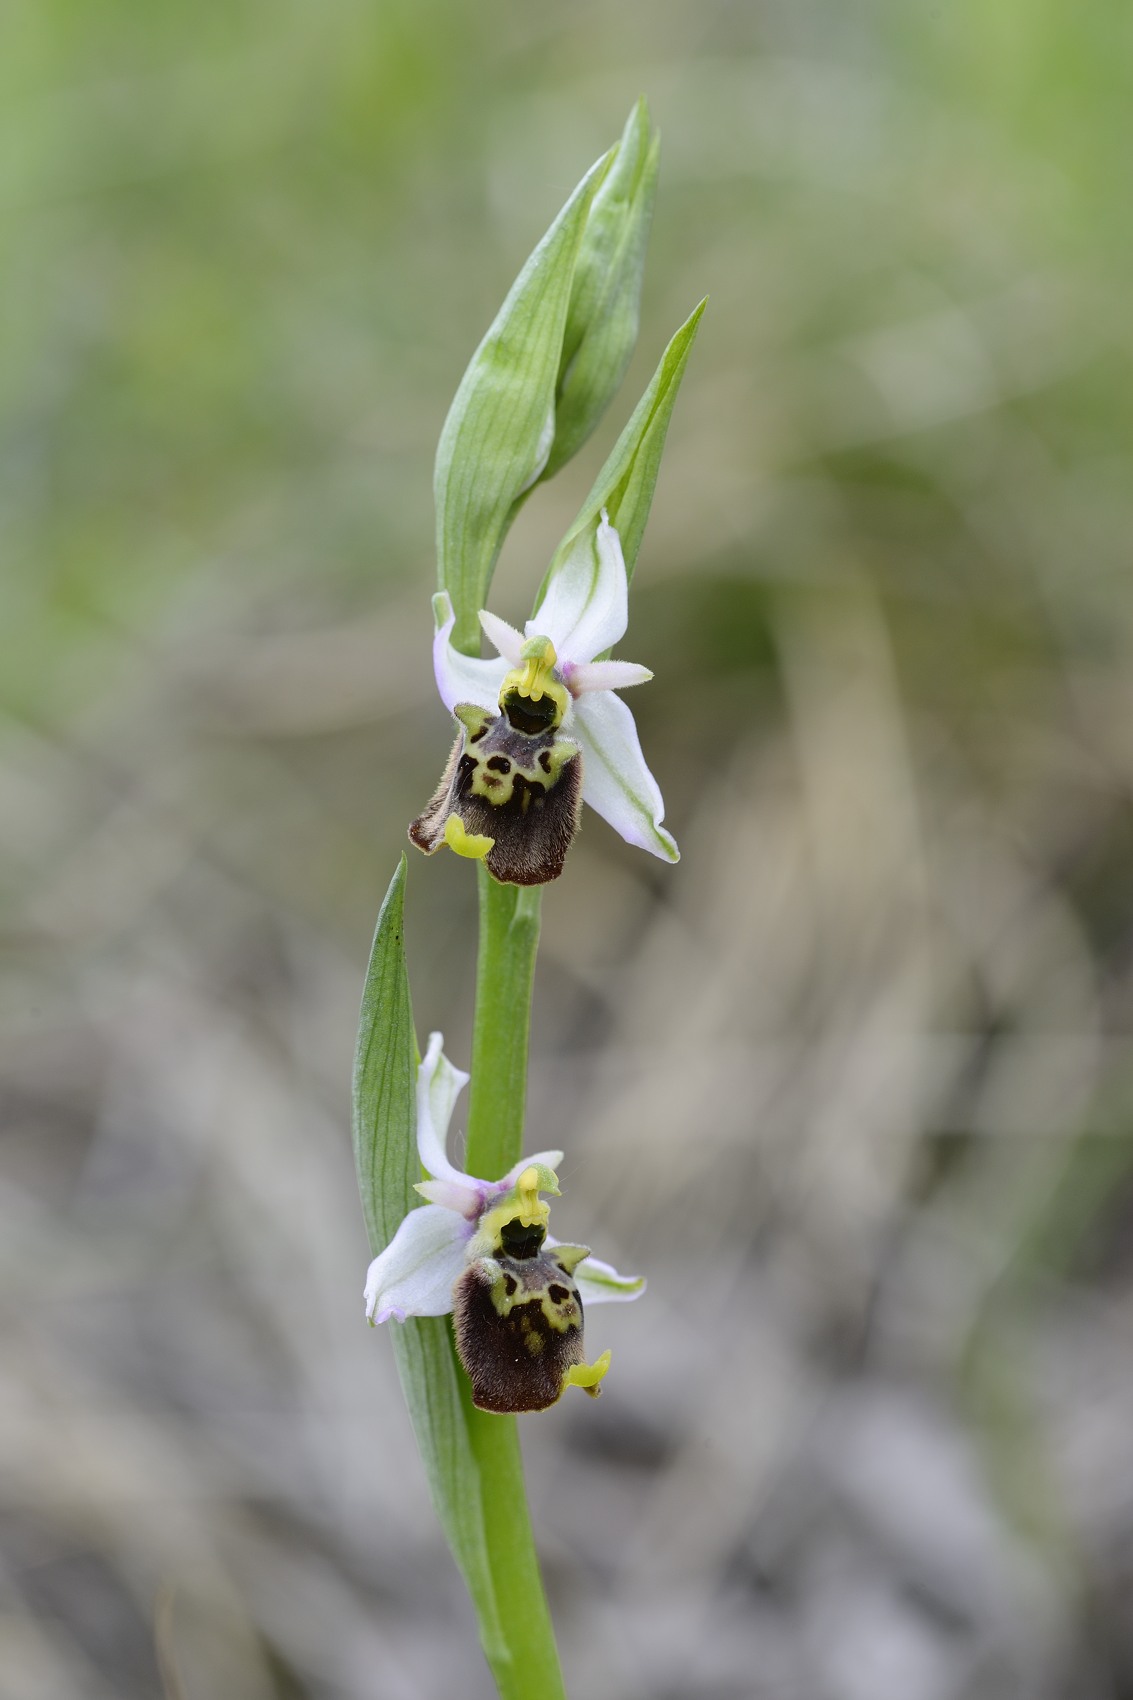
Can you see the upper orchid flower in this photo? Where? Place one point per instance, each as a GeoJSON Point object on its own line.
{"type": "Point", "coordinates": [541, 728]}
{"type": "Point", "coordinates": [481, 1249]}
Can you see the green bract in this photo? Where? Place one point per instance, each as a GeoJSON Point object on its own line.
{"type": "Point", "coordinates": [546, 370]}
{"type": "Point", "coordinates": [602, 318]}
{"type": "Point", "coordinates": [624, 487]}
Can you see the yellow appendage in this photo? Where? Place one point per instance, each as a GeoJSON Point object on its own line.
{"type": "Point", "coordinates": [474, 845]}
{"type": "Point", "coordinates": [587, 1376]}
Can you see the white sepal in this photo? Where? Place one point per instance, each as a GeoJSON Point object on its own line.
{"type": "Point", "coordinates": [439, 1085]}
{"type": "Point", "coordinates": [586, 608]}
{"type": "Point", "coordinates": [413, 1276]}
{"type": "Point", "coordinates": [462, 678]}
{"type": "Point", "coordinates": [615, 780]}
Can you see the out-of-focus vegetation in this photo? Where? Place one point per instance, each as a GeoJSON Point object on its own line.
{"type": "Point", "coordinates": [852, 1084]}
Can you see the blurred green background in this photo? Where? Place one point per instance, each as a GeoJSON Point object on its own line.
{"type": "Point", "coordinates": [852, 1085]}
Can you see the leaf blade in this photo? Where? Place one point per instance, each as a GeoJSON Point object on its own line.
{"type": "Point", "coordinates": [385, 1151]}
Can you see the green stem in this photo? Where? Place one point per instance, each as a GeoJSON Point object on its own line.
{"type": "Point", "coordinates": [505, 970]}
{"type": "Point", "coordinates": [531, 1665]}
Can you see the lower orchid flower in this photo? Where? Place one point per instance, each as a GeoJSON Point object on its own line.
{"type": "Point", "coordinates": [481, 1250]}
{"type": "Point", "coordinates": [541, 729]}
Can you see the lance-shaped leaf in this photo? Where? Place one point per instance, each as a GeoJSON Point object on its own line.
{"type": "Point", "coordinates": [602, 318]}
{"type": "Point", "coordinates": [624, 487]}
{"type": "Point", "coordinates": [501, 425]}
{"type": "Point", "coordinates": [385, 1152]}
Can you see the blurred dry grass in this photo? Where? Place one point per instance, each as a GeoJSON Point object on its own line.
{"type": "Point", "coordinates": [852, 1085]}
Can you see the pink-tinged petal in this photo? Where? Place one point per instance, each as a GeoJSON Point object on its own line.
{"type": "Point", "coordinates": [585, 609]}
{"type": "Point", "coordinates": [439, 1085]}
{"type": "Point", "coordinates": [548, 1160]}
{"type": "Point", "coordinates": [582, 676]}
{"type": "Point", "coordinates": [600, 1284]}
{"type": "Point", "coordinates": [462, 678]}
{"type": "Point", "coordinates": [413, 1276]}
{"type": "Point", "coordinates": [615, 780]}
{"type": "Point", "coordinates": [507, 640]}
{"type": "Point", "coordinates": [465, 1197]}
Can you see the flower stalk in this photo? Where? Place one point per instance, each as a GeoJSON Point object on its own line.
{"type": "Point", "coordinates": [510, 917]}
{"type": "Point", "coordinates": [531, 1662]}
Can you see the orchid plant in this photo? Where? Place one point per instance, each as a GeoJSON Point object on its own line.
{"type": "Point", "coordinates": [540, 730]}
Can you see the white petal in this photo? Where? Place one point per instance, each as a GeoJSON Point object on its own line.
{"type": "Point", "coordinates": [465, 1198]}
{"type": "Point", "coordinates": [439, 1085]}
{"type": "Point", "coordinates": [600, 1284]}
{"type": "Point", "coordinates": [615, 779]}
{"type": "Point", "coordinates": [604, 676]}
{"type": "Point", "coordinates": [462, 678]}
{"type": "Point", "coordinates": [585, 608]}
{"type": "Point", "coordinates": [413, 1276]}
{"type": "Point", "coordinates": [507, 640]}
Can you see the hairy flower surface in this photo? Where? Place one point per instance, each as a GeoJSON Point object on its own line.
{"type": "Point", "coordinates": [541, 730]}
{"type": "Point", "coordinates": [481, 1250]}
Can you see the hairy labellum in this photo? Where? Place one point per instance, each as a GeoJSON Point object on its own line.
{"type": "Point", "coordinates": [518, 1323]}
{"type": "Point", "coordinates": [513, 782]}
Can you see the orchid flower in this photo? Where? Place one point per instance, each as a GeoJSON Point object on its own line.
{"type": "Point", "coordinates": [481, 1250]}
{"type": "Point", "coordinates": [541, 729]}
